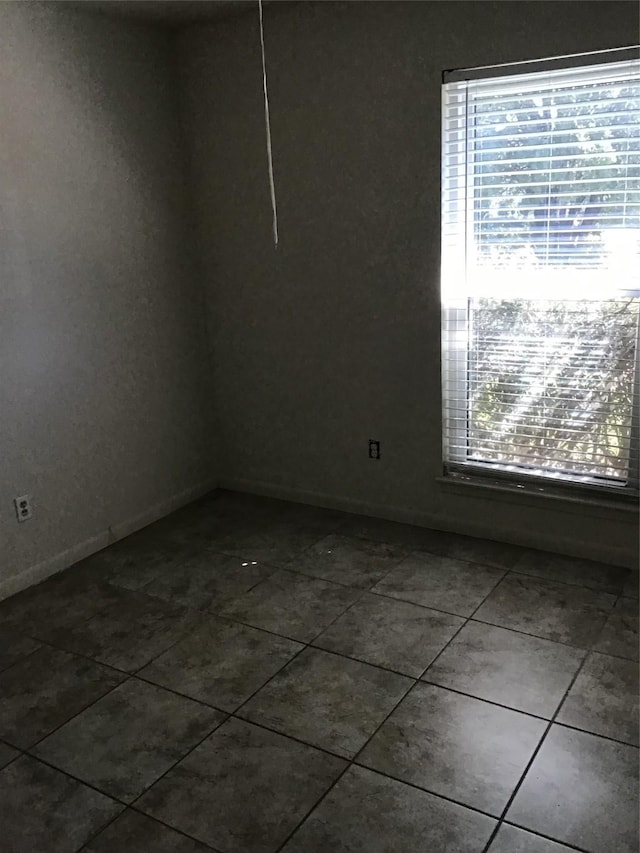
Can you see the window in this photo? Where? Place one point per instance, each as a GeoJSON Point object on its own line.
{"type": "Point", "coordinates": [541, 272]}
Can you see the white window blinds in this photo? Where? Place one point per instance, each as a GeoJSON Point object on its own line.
{"type": "Point", "coordinates": [541, 273]}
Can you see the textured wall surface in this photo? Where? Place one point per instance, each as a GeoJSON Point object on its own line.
{"type": "Point", "coordinates": [102, 353]}
{"type": "Point", "coordinates": [334, 338]}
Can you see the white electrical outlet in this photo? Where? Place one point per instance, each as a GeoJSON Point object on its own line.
{"type": "Point", "coordinates": [23, 507]}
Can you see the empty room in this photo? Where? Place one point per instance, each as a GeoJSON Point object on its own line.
{"type": "Point", "coordinates": [319, 426]}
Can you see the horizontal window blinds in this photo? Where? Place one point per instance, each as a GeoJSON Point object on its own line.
{"type": "Point", "coordinates": [541, 272]}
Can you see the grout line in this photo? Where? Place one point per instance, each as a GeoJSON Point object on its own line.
{"type": "Point", "coordinates": [295, 556]}
{"type": "Point", "coordinates": [169, 826]}
{"type": "Point", "coordinates": [23, 658]}
{"type": "Point", "coordinates": [73, 625]}
{"type": "Point", "coordinates": [136, 673]}
{"type": "Point", "coordinates": [260, 725]}
{"type": "Point", "coordinates": [218, 616]}
{"type": "Point", "coordinates": [419, 680]}
{"type": "Point", "coordinates": [99, 832]}
{"type": "Point", "coordinates": [386, 717]}
{"type": "Point", "coordinates": [567, 844]}
{"type": "Point", "coordinates": [574, 584]}
{"type": "Point", "coordinates": [84, 782]}
{"type": "Point", "coordinates": [19, 753]}
{"type": "Point", "coordinates": [350, 764]}
{"type": "Point", "coordinates": [595, 651]}
{"type": "Point", "coordinates": [309, 645]}
{"type": "Point", "coordinates": [128, 676]}
{"type": "Point", "coordinates": [424, 790]}
{"type": "Point", "coordinates": [60, 648]}
{"type": "Point", "coordinates": [596, 734]}
{"type": "Point", "coordinates": [127, 807]}
{"type": "Point", "coordinates": [464, 624]}
{"type": "Point", "coordinates": [135, 800]}
{"type": "Point", "coordinates": [424, 680]}
{"type": "Point", "coordinates": [74, 715]}
{"type": "Point", "coordinates": [434, 549]}
{"type": "Point", "coordinates": [315, 805]}
{"type": "Point", "coordinates": [534, 755]}
{"type": "Point", "coordinates": [272, 677]}
{"type": "Point", "coordinates": [333, 621]}
{"type": "Point", "coordinates": [374, 591]}
{"type": "Point", "coordinates": [527, 634]}
{"type": "Point", "coordinates": [183, 757]}
{"type": "Point", "coordinates": [312, 645]}
{"type": "Point", "coordinates": [137, 677]}
{"type": "Point", "coordinates": [57, 728]}
{"type": "Point", "coordinates": [446, 646]}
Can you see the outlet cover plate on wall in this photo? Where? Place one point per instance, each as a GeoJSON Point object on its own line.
{"type": "Point", "coordinates": [23, 508]}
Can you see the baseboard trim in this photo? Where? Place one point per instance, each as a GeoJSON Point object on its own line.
{"type": "Point", "coordinates": [536, 539]}
{"type": "Point", "coordinates": [51, 566]}
{"type": "Point", "coordinates": [326, 501]}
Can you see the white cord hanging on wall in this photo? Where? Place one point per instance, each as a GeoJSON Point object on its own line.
{"type": "Point", "coordinates": [267, 123]}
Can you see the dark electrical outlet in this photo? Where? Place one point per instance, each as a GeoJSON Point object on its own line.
{"type": "Point", "coordinates": [374, 449]}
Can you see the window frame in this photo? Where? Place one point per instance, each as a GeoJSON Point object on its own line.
{"type": "Point", "coordinates": [455, 465]}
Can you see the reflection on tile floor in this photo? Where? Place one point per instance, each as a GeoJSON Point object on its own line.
{"type": "Point", "coordinates": [254, 676]}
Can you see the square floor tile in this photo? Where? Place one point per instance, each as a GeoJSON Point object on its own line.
{"type": "Point", "coordinates": [323, 520]}
{"type": "Point", "coordinates": [131, 632]}
{"type": "Point", "coordinates": [129, 738]}
{"type": "Point", "coordinates": [329, 701]}
{"type": "Point", "coordinates": [604, 699]}
{"type": "Point", "coordinates": [294, 605]}
{"type": "Point", "coordinates": [241, 506]}
{"type": "Point", "coordinates": [406, 536]}
{"type": "Point", "coordinates": [470, 549]}
{"type": "Point", "coordinates": [556, 567]}
{"type": "Point", "coordinates": [368, 812]}
{"type": "Point", "coordinates": [44, 810]}
{"type": "Point", "coordinates": [555, 611]}
{"type": "Point", "coordinates": [522, 672]}
{"type": "Point", "coordinates": [45, 690]}
{"type": "Point", "coordinates": [632, 584]}
{"type": "Point", "coordinates": [135, 833]}
{"type": "Point", "coordinates": [201, 525]}
{"type": "Point", "coordinates": [134, 561]}
{"type": "Point", "coordinates": [274, 542]}
{"type": "Point", "coordinates": [582, 790]}
{"type": "Point", "coordinates": [393, 634]}
{"type": "Point", "coordinates": [7, 754]}
{"type": "Point", "coordinates": [243, 790]}
{"type": "Point", "coordinates": [349, 561]}
{"type": "Point", "coordinates": [14, 647]}
{"type": "Point", "coordinates": [454, 745]}
{"type": "Point", "coordinates": [620, 633]}
{"type": "Point", "coordinates": [62, 601]}
{"type": "Point", "coordinates": [208, 580]}
{"type": "Point", "coordinates": [510, 839]}
{"type": "Point", "coordinates": [221, 663]}
{"type": "Point", "coordinates": [440, 582]}
{"type": "Point", "coordinates": [302, 515]}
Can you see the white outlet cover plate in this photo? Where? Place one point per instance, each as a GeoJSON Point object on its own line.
{"type": "Point", "coordinates": [23, 507]}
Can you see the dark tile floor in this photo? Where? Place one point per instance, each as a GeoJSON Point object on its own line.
{"type": "Point", "coordinates": [250, 676]}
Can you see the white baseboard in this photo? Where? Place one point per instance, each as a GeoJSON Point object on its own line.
{"type": "Point", "coordinates": [52, 565]}
{"type": "Point", "coordinates": [159, 510]}
{"type": "Point", "coordinates": [533, 538]}
{"type": "Point", "coordinates": [528, 538]}
{"type": "Point", "coordinates": [326, 501]}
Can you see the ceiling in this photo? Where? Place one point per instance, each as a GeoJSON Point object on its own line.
{"type": "Point", "coordinates": [171, 12]}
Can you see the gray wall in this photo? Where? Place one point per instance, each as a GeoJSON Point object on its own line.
{"type": "Point", "coordinates": [334, 338]}
{"type": "Point", "coordinates": [102, 352]}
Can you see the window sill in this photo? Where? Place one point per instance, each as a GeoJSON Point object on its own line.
{"type": "Point", "coordinates": [530, 495]}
